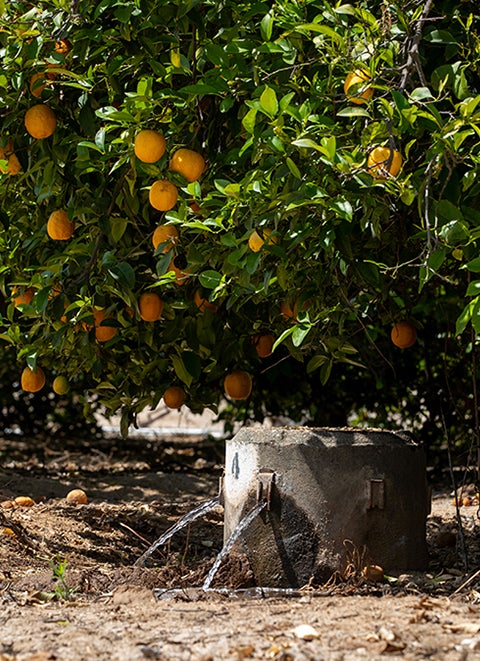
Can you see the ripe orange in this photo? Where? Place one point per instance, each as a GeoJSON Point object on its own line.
{"type": "Point", "coordinates": [151, 306]}
{"type": "Point", "coordinates": [195, 208]}
{"type": "Point", "coordinates": [403, 335]}
{"type": "Point", "coordinates": [24, 501]}
{"type": "Point", "coordinates": [22, 298]}
{"type": "Point", "coordinates": [55, 291]}
{"type": "Point", "coordinates": [163, 195]}
{"type": "Point", "coordinates": [59, 226]}
{"type": "Point", "coordinates": [203, 303]}
{"type": "Point", "coordinates": [167, 234]}
{"type": "Point", "coordinates": [256, 240]}
{"type": "Point", "coordinates": [39, 80]}
{"type": "Point", "coordinates": [189, 163]}
{"type": "Point", "coordinates": [378, 159]}
{"type": "Point", "coordinates": [263, 344]}
{"type": "Point", "coordinates": [7, 154]}
{"type": "Point", "coordinates": [63, 46]}
{"type": "Point", "coordinates": [7, 150]}
{"type": "Point", "coordinates": [292, 313]}
{"type": "Point", "coordinates": [40, 121]}
{"type": "Point", "coordinates": [373, 573]}
{"type": "Point", "coordinates": [77, 496]}
{"type": "Point", "coordinates": [174, 397]}
{"type": "Point", "coordinates": [32, 380]}
{"type": "Point", "coordinates": [37, 84]}
{"type": "Point", "coordinates": [14, 165]}
{"type": "Point", "coordinates": [103, 333]}
{"type": "Point", "coordinates": [287, 311]}
{"type": "Point", "coordinates": [238, 384]}
{"type": "Point", "coordinates": [149, 146]}
{"type": "Point", "coordinates": [361, 93]}
{"type": "Point", "coordinates": [178, 266]}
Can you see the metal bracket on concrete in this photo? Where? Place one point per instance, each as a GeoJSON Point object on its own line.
{"type": "Point", "coordinates": [266, 480]}
{"type": "Point", "coordinates": [376, 494]}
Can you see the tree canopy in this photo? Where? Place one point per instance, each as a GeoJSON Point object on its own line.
{"type": "Point", "coordinates": [337, 195]}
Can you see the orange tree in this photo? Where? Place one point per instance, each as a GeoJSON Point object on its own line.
{"type": "Point", "coordinates": [318, 165]}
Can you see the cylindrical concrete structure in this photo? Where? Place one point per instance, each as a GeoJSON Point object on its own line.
{"type": "Point", "coordinates": [329, 491]}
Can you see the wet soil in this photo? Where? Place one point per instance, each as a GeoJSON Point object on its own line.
{"type": "Point", "coordinates": [70, 589]}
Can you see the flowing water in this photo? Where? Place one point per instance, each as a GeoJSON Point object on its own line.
{"type": "Point", "coordinates": [244, 523]}
{"type": "Point", "coordinates": [184, 521]}
{"type": "Point", "coordinates": [193, 594]}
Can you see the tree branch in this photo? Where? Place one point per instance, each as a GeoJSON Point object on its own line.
{"type": "Point", "coordinates": [413, 58]}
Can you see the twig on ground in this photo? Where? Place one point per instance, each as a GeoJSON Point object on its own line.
{"type": "Point", "coordinates": [145, 541]}
{"type": "Point", "coordinates": [467, 582]}
{"type": "Point", "coordinates": [20, 533]}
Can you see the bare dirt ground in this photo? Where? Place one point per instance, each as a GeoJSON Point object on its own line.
{"type": "Point", "coordinates": [69, 588]}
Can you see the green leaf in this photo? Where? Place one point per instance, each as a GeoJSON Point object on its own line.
{"type": "Point", "coordinates": [100, 139]}
{"type": "Point", "coordinates": [345, 9]}
{"type": "Point", "coordinates": [117, 228]}
{"type": "Point", "coordinates": [465, 316]}
{"type": "Point", "coordinates": [473, 288]}
{"type": "Point", "coordinates": [448, 211]}
{"type": "Point", "coordinates": [266, 26]}
{"type": "Point", "coordinates": [286, 333]}
{"type": "Point", "coordinates": [124, 274]}
{"type": "Point", "coordinates": [181, 371]}
{"type": "Point", "coordinates": [320, 29]}
{"type": "Point", "coordinates": [474, 265]}
{"type": "Point", "coordinates": [342, 208]}
{"type": "Point", "coordinates": [124, 422]}
{"type": "Point", "coordinates": [454, 233]}
{"type": "Point", "coordinates": [253, 260]}
{"type": "Point", "coordinates": [232, 190]}
{"type": "Point", "coordinates": [353, 112]}
{"type": "Point", "coordinates": [325, 371]}
{"type": "Point", "coordinates": [218, 86]}
{"type": "Point", "coordinates": [436, 259]}
{"type": "Point", "coordinates": [306, 143]}
{"type": "Point", "coordinates": [453, 77]}
{"type": "Point", "coordinates": [192, 364]}
{"type": "Point", "coordinates": [112, 114]}
{"type": "Point", "coordinates": [408, 196]}
{"type": "Point", "coordinates": [476, 317]}
{"type": "Point", "coordinates": [329, 147]}
{"type": "Point", "coordinates": [216, 54]}
{"type": "Point", "coordinates": [316, 362]}
{"type": "Point", "coordinates": [269, 102]}
{"type": "Point", "coordinates": [249, 120]}
{"type": "Point", "coordinates": [421, 94]}
{"type": "Point", "coordinates": [300, 332]}
{"type": "Point", "coordinates": [31, 357]}
{"type": "Point", "coordinates": [211, 279]}
{"type": "Point", "coordinates": [293, 168]}
{"type": "Point", "coordinates": [440, 37]}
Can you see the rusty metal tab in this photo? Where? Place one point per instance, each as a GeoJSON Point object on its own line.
{"type": "Point", "coordinates": [266, 479]}
{"type": "Point", "coordinates": [221, 490]}
{"type": "Point", "coordinates": [376, 494]}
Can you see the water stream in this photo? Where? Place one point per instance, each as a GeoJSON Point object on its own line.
{"type": "Point", "coordinates": [244, 523]}
{"type": "Point", "coordinates": [181, 523]}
